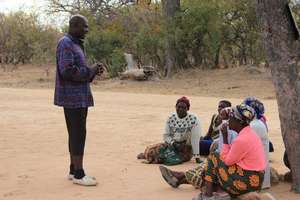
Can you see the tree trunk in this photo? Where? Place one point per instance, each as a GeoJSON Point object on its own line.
{"type": "Point", "coordinates": [170, 7]}
{"type": "Point", "coordinates": [196, 52]}
{"type": "Point", "coordinates": [217, 57]}
{"type": "Point", "coordinates": [278, 40]}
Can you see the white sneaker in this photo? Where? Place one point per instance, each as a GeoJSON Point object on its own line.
{"type": "Point", "coordinates": [70, 177]}
{"type": "Point", "coordinates": [85, 181]}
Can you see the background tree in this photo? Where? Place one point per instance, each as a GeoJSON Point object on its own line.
{"type": "Point", "coordinates": [170, 7]}
{"type": "Point", "coordinates": [195, 34]}
{"type": "Point", "coordinates": [24, 40]}
{"type": "Point", "coordinates": [278, 37]}
{"type": "Point", "coordinates": [94, 7]}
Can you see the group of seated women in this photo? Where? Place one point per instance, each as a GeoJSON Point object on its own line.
{"type": "Point", "coordinates": [236, 146]}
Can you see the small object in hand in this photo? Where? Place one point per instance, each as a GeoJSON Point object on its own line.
{"type": "Point", "coordinates": [213, 146]}
{"type": "Point", "coordinates": [101, 67]}
{"type": "Point", "coordinates": [224, 127]}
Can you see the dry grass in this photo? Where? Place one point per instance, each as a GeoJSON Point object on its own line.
{"type": "Point", "coordinates": [228, 83]}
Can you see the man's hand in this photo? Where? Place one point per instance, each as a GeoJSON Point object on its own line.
{"type": "Point", "coordinates": [99, 68]}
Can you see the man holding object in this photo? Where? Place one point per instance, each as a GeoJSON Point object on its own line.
{"type": "Point", "coordinates": [73, 93]}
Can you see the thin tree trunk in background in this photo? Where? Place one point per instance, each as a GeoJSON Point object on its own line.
{"type": "Point", "coordinates": [278, 41]}
{"type": "Point", "coordinates": [170, 7]}
{"type": "Point", "coordinates": [217, 57]}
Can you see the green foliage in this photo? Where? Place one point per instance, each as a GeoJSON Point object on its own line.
{"type": "Point", "coordinates": [136, 30]}
{"type": "Point", "coordinates": [206, 33]}
{"type": "Point", "coordinates": [106, 46]}
{"type": "Point", "coordinates": [144, 31]}
{"type": "Point", "coordinates": [23, 39]}
{"type": "Point", "coordinates": [117, 63]}
{"type": "Point", "coordinates": [101, 44]}
{"type": "Point", "coordinates": [197, 32]}
{"type": "Point", "coordinates": [240, 32]}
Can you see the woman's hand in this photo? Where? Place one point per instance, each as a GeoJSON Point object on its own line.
{"type": "Point", "coordinates": [224, 130]}
{"type": "Point", "coordinates": [214, 146]}
{"type": "Point", "coordinates": [224, 113]}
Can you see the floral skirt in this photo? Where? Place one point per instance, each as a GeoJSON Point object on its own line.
{"type": "Point", "coordinates": [152, 153]}
{"type": "Point", "coordinates": [233, 179]}
{"type": "Point", "coordinates": [195, 176]}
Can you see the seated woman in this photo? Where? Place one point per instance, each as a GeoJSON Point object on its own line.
{"type": "Point", "coordinates": [214, 128]}
{"type": "Point", "coordinates": [260, 110]}
{"type": "Point", "coordinates": [258, 124]}
{"type": "Point", "coordinates": [182, 131]}
{"type": "Point", "coordinates": [239, 168]}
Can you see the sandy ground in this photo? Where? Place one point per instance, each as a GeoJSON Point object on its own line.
{"type": "Point", "coordinates": [34, 156]}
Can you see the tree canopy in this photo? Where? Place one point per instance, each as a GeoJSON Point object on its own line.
{"type": "Point", "coordinates": [205, 34]}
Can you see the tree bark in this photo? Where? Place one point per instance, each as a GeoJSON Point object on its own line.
{"type": "Point", "coordinates": [217, 57]}
{"type": "Point", "coordinates": [278, 40]}
{"type": "Point", "coordinates": [170, 7]}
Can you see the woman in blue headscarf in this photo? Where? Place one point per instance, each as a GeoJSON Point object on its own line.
{"type": "Point", "coordinates": [258, 124]}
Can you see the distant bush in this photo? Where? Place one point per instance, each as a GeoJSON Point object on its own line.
{"type": "Point", "coordinates": [118, 63]}
{"type": "Point", "coordinates": [24, 40]}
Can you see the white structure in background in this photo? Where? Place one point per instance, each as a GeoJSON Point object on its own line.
{"type": "Point", "coordinates": [131, 64]}
{"type": "Point", "coordinates": [135, 73]}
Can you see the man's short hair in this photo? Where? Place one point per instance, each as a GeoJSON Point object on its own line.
{"type": "Point", "coordinates": [76, 19]}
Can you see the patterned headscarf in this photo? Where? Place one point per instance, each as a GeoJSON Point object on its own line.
{"type": "Point", "coordinates": [257, 105]}
{"type": "Point", "coordinates": [243, 113]}
{"type": "Point", "coordinates": [184, 100]}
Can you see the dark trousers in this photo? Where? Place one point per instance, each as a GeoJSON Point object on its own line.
{"type": "Point", "coordinates": [76, 125]}
{"type": "Point", "coordinates": [205, 146]}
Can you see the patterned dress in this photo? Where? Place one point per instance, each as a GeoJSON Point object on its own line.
{"type": "Point", "coordinates": [239, 169]}
{"type": "Point", "coordinates": [233, 179]}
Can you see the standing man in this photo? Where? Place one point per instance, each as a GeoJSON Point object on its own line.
{"type": "Point", "coordinates": [73, 93]}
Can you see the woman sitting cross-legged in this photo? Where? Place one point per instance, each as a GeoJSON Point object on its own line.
{"type": "Point", "coordinates": [239, 168]}
{"type": "Point", "coordinates": [181, 137]}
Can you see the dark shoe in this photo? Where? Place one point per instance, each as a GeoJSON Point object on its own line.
{"type": "Point", "coordinates": [169, 178]}
{"type": "Point", "coordinates": [141, 156]}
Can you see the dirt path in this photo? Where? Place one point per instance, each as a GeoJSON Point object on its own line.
{"type": "Point", "coordinates": [34, 157]}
